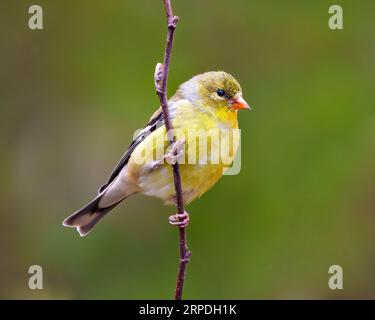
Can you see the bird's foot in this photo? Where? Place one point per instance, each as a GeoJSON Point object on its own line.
{"type": "Point", "coordinates": [179, 220]}
{"type": "Point", "coordinates": [175, 152]}
{"type": "Point", "coordinates": [172, 156]}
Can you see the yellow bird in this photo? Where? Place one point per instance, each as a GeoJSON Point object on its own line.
{"type": "Point", "coordinates": [203, 113]}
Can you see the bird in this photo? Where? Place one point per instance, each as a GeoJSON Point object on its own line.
{"type": "Point", "coordinates": [208, 102]}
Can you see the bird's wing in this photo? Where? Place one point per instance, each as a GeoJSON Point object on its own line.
{"type": "Point", "coordinates": [155, 122]}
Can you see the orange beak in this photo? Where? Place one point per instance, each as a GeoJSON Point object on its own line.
{"type": "Point", "coordinates": [239, 104]}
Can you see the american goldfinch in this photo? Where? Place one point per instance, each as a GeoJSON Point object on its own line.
{"type": "Point", "coordinates": [206, 103]}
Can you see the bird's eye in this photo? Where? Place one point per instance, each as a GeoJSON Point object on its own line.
{"type": "Point", "coordinates": [220, 92]}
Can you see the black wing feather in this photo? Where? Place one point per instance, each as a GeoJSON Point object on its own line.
{"type": "Point", "coordinates": [151, 126]}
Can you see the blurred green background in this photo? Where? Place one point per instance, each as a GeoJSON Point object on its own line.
{"type": "Point", "coordinates": [72, 95]}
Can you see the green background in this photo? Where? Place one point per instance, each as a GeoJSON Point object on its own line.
{"type": "Point", "coordinates": [72, 95]}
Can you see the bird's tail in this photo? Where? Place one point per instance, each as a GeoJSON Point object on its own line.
{"type": "Point", "coordinates": [86, 218]}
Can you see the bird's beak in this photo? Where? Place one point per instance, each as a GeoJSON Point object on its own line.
{"type": "Point", "coordinates": [239, 104]}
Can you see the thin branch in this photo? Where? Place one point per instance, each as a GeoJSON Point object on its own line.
{"type": "Point", "coordinates": [161, 79]}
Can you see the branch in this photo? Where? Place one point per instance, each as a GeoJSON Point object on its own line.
{"type": "Point", "coordinates": [161, 79]}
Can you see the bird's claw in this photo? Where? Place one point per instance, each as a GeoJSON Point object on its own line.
{"type": "Point", "coordinates": [175, 152]}
{"type": "Point", "coordinates": [179, 220]}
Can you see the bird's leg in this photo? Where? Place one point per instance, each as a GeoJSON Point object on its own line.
{"type": "Point", "coordinates": [171, 156]}
{"type": "Point", "coordinates": [175, 151]}
{"type": "Point", "coordinates": [179, 220]}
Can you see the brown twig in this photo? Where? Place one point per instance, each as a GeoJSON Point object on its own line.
{"type": "Point", "coordinates": [161, 78]}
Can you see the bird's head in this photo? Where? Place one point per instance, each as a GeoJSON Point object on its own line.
{"type": "Point", "coordinates": [216, 89]}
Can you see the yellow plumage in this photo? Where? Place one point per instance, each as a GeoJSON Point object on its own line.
{"type": "Point", "coordinates": [197, 178]}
